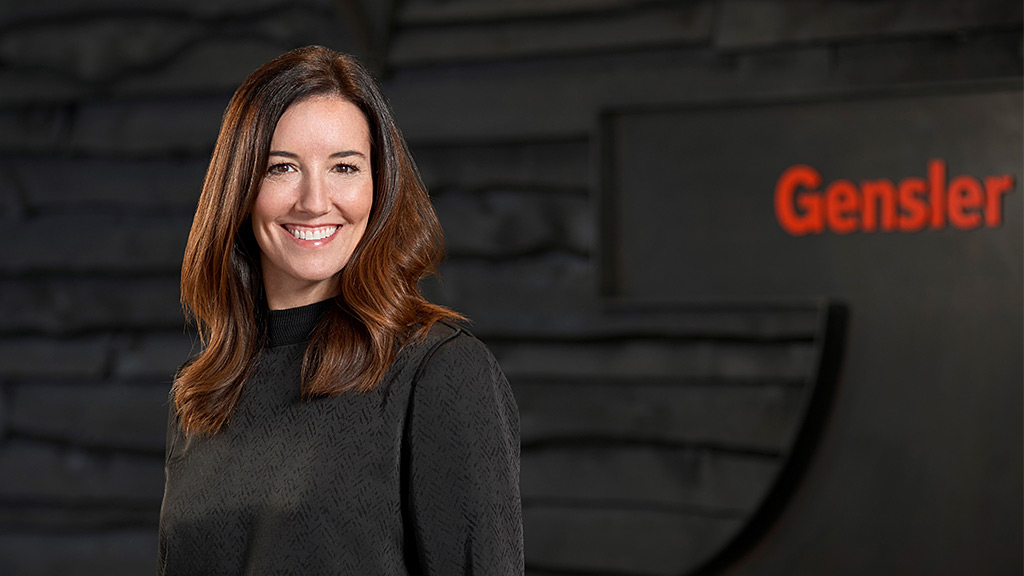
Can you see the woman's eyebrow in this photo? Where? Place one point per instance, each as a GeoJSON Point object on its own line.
{"type": "Point", "coordinates": [342, 154]}
{"type": "Point", "coordinates": [347, 153]}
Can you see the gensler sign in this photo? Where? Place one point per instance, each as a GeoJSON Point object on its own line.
{"type": "Point", "coordinates": [802, 207]}
{"type": "Point", "coordinates": [935, 330]}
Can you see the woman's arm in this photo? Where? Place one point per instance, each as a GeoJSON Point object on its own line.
{"type": "Point", "coordinates": [462, 483]}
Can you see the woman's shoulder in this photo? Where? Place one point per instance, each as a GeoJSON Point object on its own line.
{"type": "Point", "coordinates": [450, 352]}
{"type": "Point", "coordinates": [458, 383]}
{"type": "Point", "coordinates": [444, 342]}
{"type": "Point", "coordinates": [440, 332]}
{"type": "Point", "coordinates": [449, 371]}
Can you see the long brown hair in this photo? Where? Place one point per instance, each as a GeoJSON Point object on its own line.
{"type": "Point", "coordinates": [221, 282]}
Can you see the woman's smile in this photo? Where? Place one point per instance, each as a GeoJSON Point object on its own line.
{"type": "Point", "coordinates": [314, 236]}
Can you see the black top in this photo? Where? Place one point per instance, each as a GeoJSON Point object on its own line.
{"type": "Point", "coordinates": [419, 476]}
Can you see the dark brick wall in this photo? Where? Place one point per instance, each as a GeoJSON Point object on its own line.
{"type": "Point", "coordinates": [108, 111]}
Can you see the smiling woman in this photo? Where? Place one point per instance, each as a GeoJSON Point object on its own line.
{"type": "Point", "coordinates": [335, 422]}
{"type": "Point", "coordinates": [314, 202]}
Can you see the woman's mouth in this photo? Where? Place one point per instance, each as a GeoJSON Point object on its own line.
{"type": "Point", "coordinates": [310, 233]}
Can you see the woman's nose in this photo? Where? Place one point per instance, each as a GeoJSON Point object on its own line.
{"type": "Point", "coordinates": [313, 196]}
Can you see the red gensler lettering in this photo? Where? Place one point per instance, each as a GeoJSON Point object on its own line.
{"type": "Point", "coordinates": [915, 203]}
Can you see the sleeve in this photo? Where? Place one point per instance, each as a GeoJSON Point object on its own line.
{"type": "Point", "coordinates": [173, 430]}
{"type": "Point", "coordinates": [463, 477]}
{"type": "Point", "coordinates": [174, 433]}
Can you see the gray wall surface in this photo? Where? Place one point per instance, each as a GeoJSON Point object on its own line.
{"type": "Point", "coordinates": [108, 113]}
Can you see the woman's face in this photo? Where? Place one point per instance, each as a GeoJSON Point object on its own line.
{"type": "Point", "coordinates": [314, 201]}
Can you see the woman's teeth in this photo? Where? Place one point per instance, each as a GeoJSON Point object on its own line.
{"type": "Point", "coordinates": [313, 233]}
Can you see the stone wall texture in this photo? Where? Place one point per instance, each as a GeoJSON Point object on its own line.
{"type": "Point", "coordinates": [108, 113]}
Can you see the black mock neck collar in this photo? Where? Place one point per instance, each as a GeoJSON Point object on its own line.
{"type": "Point", "coordinates": [294, 325]}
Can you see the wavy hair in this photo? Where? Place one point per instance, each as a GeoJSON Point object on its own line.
{"type": "Point", "coordinates": [379, 304]}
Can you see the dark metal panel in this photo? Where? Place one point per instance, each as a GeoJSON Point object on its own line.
{"type": "Point", "coordinates": [930, 403]}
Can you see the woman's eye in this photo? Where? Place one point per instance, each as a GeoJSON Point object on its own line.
{"type": "Point", "coordinates": [279, 168]}
{"type": "Point", "coordinates": [346, 169]}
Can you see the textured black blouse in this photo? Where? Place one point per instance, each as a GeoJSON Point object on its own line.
{"type": "Point", "coordinates": [419, 476]}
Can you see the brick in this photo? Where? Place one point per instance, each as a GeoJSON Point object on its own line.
{"type": "Point", "coordinates": [118, 417]}
{"type": "Point", "coordinates": [725, 323]}
{"type": "Point", "coordinates": [673, 411]}
{"type": "Point", "coordinates": [612, 540]}
{"type": "Point", "coordinates": [13, 205]}
{"type": "Point", "coordinates": [59, 305]}
{"type": "Point", "coordinates": [324, 22]}
{"type": "Point", "coordinates": [422, 12]}
{"type": "Point", "coordinates": [586, 320]}
{"type": "Point", "coordinates": [154, 356]}
{"type": "Point", "coordinates": [512, 223]}
{"type": "Point", "coordinates": [559, 99]}
{"type": "Point", "coordinates": [493, 290]}
{"type": "Point", "coordinates": [87, 553]}
{"type": "Point", "coordinates": [560, 164]}
{"type": "Point", "coordinates": [138, 244]}
{"type": "Point", "coordinates": [60, 474]}
{"type": "Point", "coordinates": [105, 49]}
{"type": "Point", "coordinates": [647, 475]}
{"type": "Point", "coordinates": [641, 26]}
{"type": "Point", "coordinates": [658, 359]}
{"type": "Point", "coordinates": [215, 64]}
{"type": "Point", "coordinates": [70, 184]}
{"type": "Point", "coordinates": [33, 128]}
{"type": "Point", "coordinates": [5, 409]}
{"type": "Point", "coordinates": [963, 58]}
{"type": "Point", "coordinates": [746, 24]}
{"type": "Point", "coordinates": [73, 52]}
{"type": "Point", "coordinates": [19, 13]}
{"type": "Point", "coordinates": [21, 86]}
{"type": "Point", "coordinates": [152, 126]}
{"type": "Point", "coordinates": [35, 357]}
{"type": "Point", "coordinates": [94, 50]}
{"type": "Point", "coordinates": [221, 60]}
{"type": "Point", "coordinates": [54, 518]}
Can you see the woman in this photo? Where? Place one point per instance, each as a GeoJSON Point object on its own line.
{"type": "Point", "coordinates": [335, 422]}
